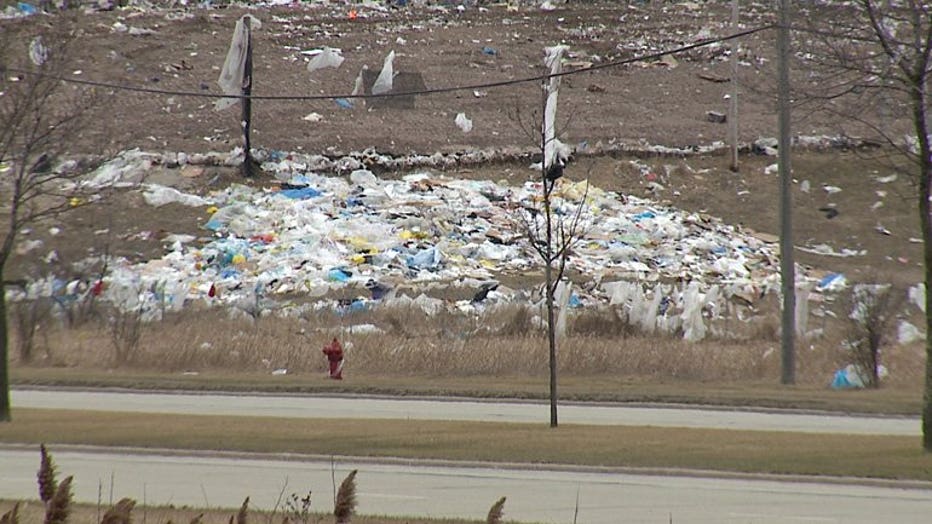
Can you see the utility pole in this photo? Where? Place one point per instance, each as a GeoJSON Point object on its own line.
{"type": "Point", "coordinates": [246, 103]}
{"type": "Point", "coordinates": [733, 96]}
{"type": "Point", "coordinates": [787, 265]}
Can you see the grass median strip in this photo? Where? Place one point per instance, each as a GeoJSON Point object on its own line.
{"type": "Point", "coordinates": [886, 457]}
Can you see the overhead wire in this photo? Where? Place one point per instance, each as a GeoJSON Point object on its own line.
{"type": "Point", "coordinates": [423, 92]}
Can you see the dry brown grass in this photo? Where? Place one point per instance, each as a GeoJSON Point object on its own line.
{"type": "Point", "coordinates": [32, 512]}
{"type": "Point", "coordinates": [502, 341]}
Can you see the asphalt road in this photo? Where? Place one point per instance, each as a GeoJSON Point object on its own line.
{"type": "Point", "coordinates": [533, 495]}
{"type": "Point", "coordinates": [528, 412]}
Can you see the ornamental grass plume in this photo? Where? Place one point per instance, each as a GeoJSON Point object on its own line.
{"type": "Point", "coordinates": [121, 513]}
{"type": "Point", "coordinates": [58, 509]}
{"type": "Point", "coordinates": [46, 476]}
{"type": "Point", "coordinates": [241, 515]}
{"type": "Point", "coordinates": [496, 512]}
{"type": "Point", "coordinates": [12, 516]}
{"type": "Point", "coordinates": [345, 504]}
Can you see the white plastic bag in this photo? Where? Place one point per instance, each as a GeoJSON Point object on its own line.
{"type": "Point", "coordinates": [327, 57]}
{"type": "Point", "coordinates": [383, 84]}
{"type": "Point", "coordinates": [231, 76]}
{"type": "Point", "coordinates": [465, 124]}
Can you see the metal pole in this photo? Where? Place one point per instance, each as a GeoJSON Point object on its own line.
{"type": "Point", "coordinates": [733, 96]}
{"type": "Point", "coordinates": [787, 265]}
{"type": "Point", "coordinates": [246, 103]}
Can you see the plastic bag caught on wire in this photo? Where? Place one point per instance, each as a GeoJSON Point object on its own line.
{"type": "Point", "coordinates": [383, 84]}
{"type": "Point", "coordinates": [234, 67]}
{"type": "Point", "coordinates": [552, 60]}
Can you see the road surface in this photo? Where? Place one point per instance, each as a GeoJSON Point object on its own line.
{"type": "Point", "coordinates": [533, 495]}
{"type": "Point", "coordinates": [423, 409]}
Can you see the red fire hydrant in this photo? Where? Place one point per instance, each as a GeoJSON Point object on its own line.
{"type": "Point", "coordinates": [334, 352]}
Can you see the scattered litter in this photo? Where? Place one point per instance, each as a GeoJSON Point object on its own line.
{"type": "Point", "coordinates": [313, 117]}
{"type": "Point", "coordinates": [324, 58]}
{"type": "Point", "coordinates": [907, 333]}
{"type": "Point", "coordinates": [463, 123]}
{"type": "Point", "coordinates": [827, 250]}
{"type": "Point", "coordinates": [38, 53]}
{"type": "Point", "coordinates": [157, 196]}
{"type": "Point", "coordinates": [383, 83]}
{"type": "Point", "coordinates": [848, 377]}
{"type": "Point", "coordinates": [716, 117]}
{"type": "Point", "coordinates": [343, 103]}
{"type": "Point", "coordinates": [832, 282]}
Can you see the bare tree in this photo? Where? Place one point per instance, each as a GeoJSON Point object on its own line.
{"type": "Point", "coordinates": [39, 114]}
{"type": "Point", "coordinates": [553, 228]}
{"type": "Point", "coordinates": [873, 310]}
{"type": "Point", "coordinates": [874, 66]}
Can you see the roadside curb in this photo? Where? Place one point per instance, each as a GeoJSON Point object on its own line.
{"type": "Point", "coordinates": [464, 464]}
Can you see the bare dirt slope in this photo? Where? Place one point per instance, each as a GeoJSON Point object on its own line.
{"type": "Point", "coordinates": [654, 101]}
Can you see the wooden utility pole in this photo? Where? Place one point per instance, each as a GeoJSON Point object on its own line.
{"type": "Point", "coordinates": [733, 96]}
{"type": "Point", "coordinates": [787, 264]}
{"type": "Point", "coordinates": [248, 167]}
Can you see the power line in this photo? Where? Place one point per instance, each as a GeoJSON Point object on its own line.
{"type": "Point", "coordinates": [470, 87]}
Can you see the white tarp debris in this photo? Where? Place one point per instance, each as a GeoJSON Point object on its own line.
{"type": "Point", "coordinates": [383, 84]}
{"type": "Point", "coordinates": [156, 195]}
{"type": "Point", "coordinates": [462, 122]}
{"type": "Point", "coordinates": [231, 76]}
{"type": "Point", "coordinates": [324, 58]}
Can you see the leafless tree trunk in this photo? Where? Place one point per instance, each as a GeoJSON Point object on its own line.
{"type": "Point", "coordinates": [39, 114]}
{"type": "Point", "coordinates": [879, 54]}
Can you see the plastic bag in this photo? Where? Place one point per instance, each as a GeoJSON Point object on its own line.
{"type": "Point", "coordinates": [383, 84]}
{"type": "Point", "coordinates": [327, 57]}
{"type": "Point", "coordinates": [231, 76]}
{"type": "Point", "coordinates": [463, 123]}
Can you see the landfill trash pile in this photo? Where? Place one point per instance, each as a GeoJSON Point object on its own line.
{"type": "Point", "coordinates": [294, 242]}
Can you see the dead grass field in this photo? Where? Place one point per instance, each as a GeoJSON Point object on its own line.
{"type": "Point", "coordinates": [33, 511]}
{"type": "Point", "coordinates": [883, 457]}
{"type": "Point", "coordinates": [498, 355]}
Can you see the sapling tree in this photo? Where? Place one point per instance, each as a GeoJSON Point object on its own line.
{"type": "Point", "coordinates": [39, 116]}
{"type": "Point", "coordinates": [552, 223]}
